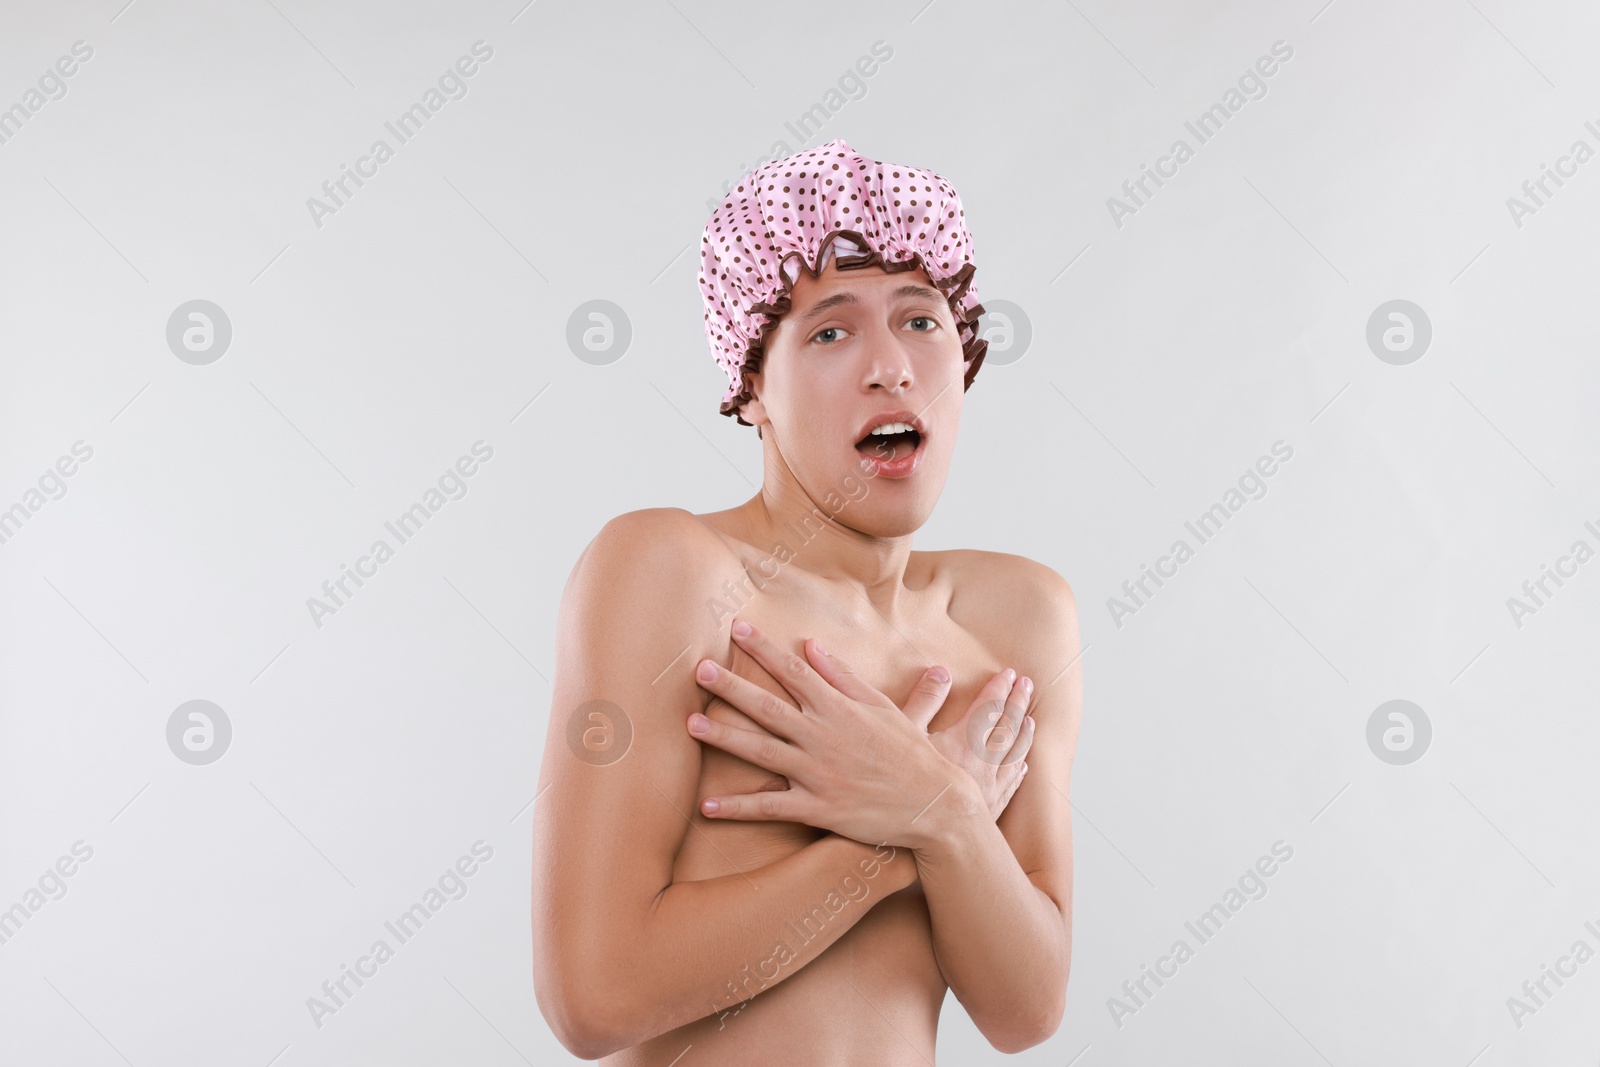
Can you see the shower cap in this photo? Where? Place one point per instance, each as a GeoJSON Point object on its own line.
{"type": "Point", "coordinates": [796, 212]}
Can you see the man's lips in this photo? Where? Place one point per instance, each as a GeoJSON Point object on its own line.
{"type": "Point", "coordinates": [891, 446]}
{"type": "Point", "coordinates": [884, 418]}
{"type": "Point", "coordinates": [895, 457]}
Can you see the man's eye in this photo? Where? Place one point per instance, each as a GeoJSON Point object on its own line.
{"type": "Point", "coordinates": [928, 323]}
{"type": "Point", "coordinates": [822, 335]}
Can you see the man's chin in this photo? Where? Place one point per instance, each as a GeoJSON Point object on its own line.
{"type": "Point", "coordinates": [877, 516]}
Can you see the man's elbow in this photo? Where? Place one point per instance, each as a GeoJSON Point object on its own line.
{"type": "Point", "coordinates": [587, 1035]}
{"type": "Point", "coordinates": [1022, 1031]}
{"type": "Point", "coordinates": [582, 1043]}
{"type": "Point", "coordinates": [1022, 1036]}
{"type": "Point", "coordinates": [577, 1032]}
{"type": "Point", "coordinates": [587, 1026]}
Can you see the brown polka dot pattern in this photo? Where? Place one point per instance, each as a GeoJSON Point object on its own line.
{"type": "Point", "coordinates": [793, 210]}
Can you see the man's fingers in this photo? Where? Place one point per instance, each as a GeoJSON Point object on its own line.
{"type": "Point", "coordinates": [837, 673]}
{"type": "Point", "coordinates": [985, 709]}
{"type": "Point", "coordinates": [989, 736]}
{"type": "Point", "coordinates": [761, 704]}
{"type": "Point", "coordinates": [927, 696]}
{"type": "Point", "coordinates": [775, 805]}
{"type": "Point", "coordinates": [997, 727]}
{"type": "Point", "coordinates": [1010, 724]}
{"type": "Point", "coordinates": [789, 668]}
{"type": "Point", "coordinates": [1016, 777]}
{"type": "Point", "coordinates": [762, 749]}
{"type": "Point", "coordinates": [1019, 749]}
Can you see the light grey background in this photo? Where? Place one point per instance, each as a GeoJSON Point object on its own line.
{"type": "Point", "coordinates": [1167, 355]}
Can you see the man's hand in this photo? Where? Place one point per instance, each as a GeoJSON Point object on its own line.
{"type": "Point", "coordinates": [991, 741]}
{"type": "Point", "coordinates": [857, 764]}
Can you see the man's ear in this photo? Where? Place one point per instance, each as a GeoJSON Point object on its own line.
{"type": "Point", "coordinates": [753, 410]}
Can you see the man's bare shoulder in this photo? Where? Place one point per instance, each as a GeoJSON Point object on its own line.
{"type": "Point", "coordinates": [670, 542]}
{"type": "Point", "coordinates": [1008, 601]}
{"type": "Point", "coordinates": [986, 577]}
{"type": "Point", "coordinates": [634, 606]}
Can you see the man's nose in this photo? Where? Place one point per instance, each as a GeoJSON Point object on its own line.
{"type": "Point", "coordinates": [889, 366]}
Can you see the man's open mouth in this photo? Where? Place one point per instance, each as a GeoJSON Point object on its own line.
{"type": "Point", "coordinates": [896, 441]}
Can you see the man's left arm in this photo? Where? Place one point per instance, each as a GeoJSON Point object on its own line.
{"type": "Point", "coordinates": [1000, 893]}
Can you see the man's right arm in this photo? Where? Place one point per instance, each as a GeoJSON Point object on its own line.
{"type": "Point", "coordinates": [621, 952]}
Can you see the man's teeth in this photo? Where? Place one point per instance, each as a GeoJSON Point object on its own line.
{"type": "Point", "coordinates": [889, 428]}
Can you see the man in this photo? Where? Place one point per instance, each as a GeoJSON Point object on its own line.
{"type": "Point", "coordinates": [782, 842]}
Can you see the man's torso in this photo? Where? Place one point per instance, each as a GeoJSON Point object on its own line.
{"type": "Point", "coordinates": [874, 995]}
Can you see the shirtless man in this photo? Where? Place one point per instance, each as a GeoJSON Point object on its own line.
{"type": "Point", "coordinates": [782, 847]}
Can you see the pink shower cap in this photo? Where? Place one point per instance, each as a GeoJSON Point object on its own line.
{"type": "Point", "coordinates": [790, 213]}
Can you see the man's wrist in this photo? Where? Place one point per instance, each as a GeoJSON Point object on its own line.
{"type": "Point", "coordinates": [887, 868]}
{"type": "Point", "coordinates": [950, 819]}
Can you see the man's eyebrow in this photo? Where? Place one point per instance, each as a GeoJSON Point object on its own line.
{"type": "Point", "coordinates": [828, 303]}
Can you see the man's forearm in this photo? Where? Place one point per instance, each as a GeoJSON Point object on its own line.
{"type": "Point", "coordinates": [1002, 944]}
{"type": "Point", "coordinates": [708, 945]}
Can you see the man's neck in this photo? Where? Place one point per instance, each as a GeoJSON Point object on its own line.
{"type": "Point", "coordinates": [824, 544]}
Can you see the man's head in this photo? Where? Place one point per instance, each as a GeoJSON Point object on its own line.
{"type": "Point", "coordinates": [857, 349]}
{"type": "Point", "coordinates": [826, 210]}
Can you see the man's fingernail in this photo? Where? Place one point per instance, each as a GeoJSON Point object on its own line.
{"type": "Point", "coordinates": [698, 723]}
{"type": "Point", "coordinates": [939, 674]}
{"type": "Point", "coordinates": [710, 807]}
{"type": "Point", "coordinates": [707, 671]}
{"type": "Point", "coordinates": [741, 629]}
{"type": "Point", "coordinates": [818, 646]}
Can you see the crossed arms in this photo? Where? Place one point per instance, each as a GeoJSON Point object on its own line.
{"type": "Point", "coordinates": [624, 953]}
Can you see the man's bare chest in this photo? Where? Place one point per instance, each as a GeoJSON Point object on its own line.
{"type": "Point", "coordinates": [889, 654]}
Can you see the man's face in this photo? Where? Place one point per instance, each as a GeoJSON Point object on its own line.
{"type": "Point", "coordinates": [856, 344]}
